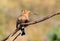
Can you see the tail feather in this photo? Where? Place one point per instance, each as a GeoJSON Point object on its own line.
{"type": "Point", "coordinates": [22, 31]}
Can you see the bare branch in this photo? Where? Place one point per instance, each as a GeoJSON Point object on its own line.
{"type": "Point", "coordinates": [6, 38]}
{"type": "Point", "coordinates": [40, 19]}
{"type": "Point", "coordinates": [16, 36]}
{"type": "Point", "coordinates": [30, 23]}
{"type": "Point", "coordinates": [11, 34]}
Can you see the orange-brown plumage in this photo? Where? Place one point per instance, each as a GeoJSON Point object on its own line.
{"type": "Point", "coordinates": [24, 18]}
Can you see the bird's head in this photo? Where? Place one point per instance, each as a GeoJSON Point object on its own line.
{"type": "Point", "coordinates": [26, 12]}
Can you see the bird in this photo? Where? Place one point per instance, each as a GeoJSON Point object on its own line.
{"type": "Point", "coordinates": [23, 18]}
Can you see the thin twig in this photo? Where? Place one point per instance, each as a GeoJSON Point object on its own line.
{"type": "Point", "coordinates": [6, 38]}
{"type": "Point", "coordinates": [16, 36]}
{"type": "Point", "coordinates": [15, 31]}
{"type": "Point", "coordinates": [11, 34]}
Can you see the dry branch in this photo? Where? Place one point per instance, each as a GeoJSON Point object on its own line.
{"type": "Point", "coordinates": [33, 22]}
{"type": "Point", "coordinates": [16, 36]}
{"type": "Point", "coordinates": [40, 19]}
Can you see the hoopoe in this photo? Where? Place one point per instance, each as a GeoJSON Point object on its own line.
{"type": "Point", "coordinates": [24, 18]}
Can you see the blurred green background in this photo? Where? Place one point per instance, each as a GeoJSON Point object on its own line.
{"type": "Point", "coordinates": [11, 9]}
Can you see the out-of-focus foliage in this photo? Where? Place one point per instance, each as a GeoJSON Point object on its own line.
{"type": "Point", "coordinates": [54, 34]}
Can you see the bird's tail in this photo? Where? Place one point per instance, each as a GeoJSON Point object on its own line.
{"type": "Point", "coordinates": [22, 31]}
